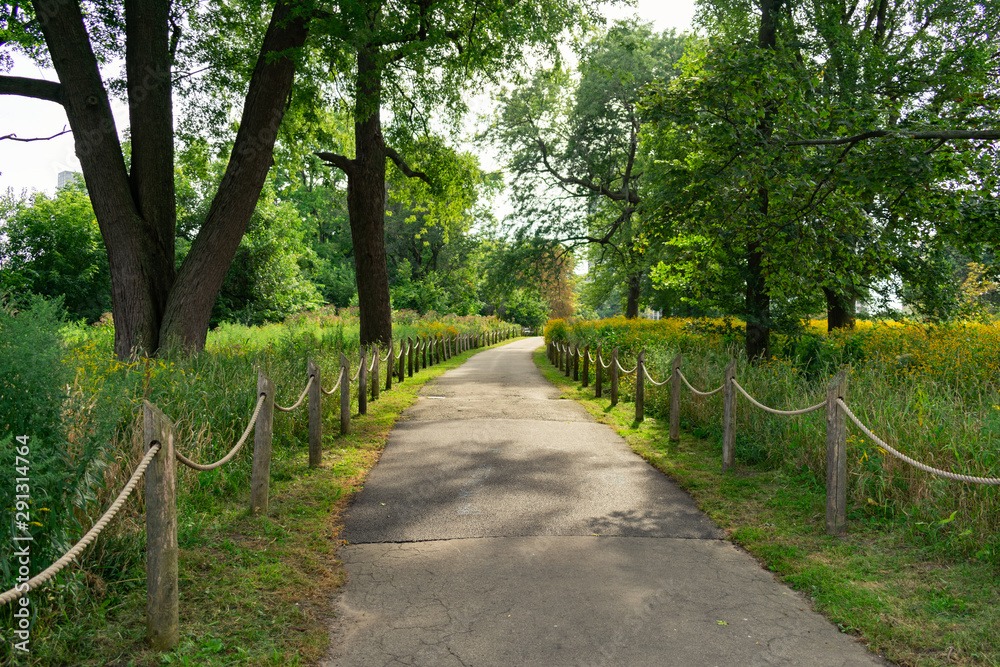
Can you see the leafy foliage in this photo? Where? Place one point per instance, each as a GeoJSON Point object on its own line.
{"type": "Point", "coordinates": [52, 246]}
{"type": "Point", "coordinates": [571, 141]}
{"type": "Point", "coordinates": [769, 149]}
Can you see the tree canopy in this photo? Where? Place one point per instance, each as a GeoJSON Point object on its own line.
{"type": "Point", "coordinates": [811, 148]}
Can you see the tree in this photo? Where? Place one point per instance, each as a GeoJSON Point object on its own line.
{"type": "Point", "coordinates": [766, 144]}
{"type": "Point", "coordinates": [155, 304]}
{"type": "Point", "coordinates": [430, 248]}
{"type": "Point", "coordinates": [52, 246]}
{"type": "Point", "coordinates": [572, 145]}
{"type": "Point", "coordinates": [418, 57]}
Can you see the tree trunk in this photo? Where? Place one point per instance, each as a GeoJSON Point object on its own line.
{"type": "Point", "coordinates": [632, 300]}
{"type": "Point", "coordinates": [140, 259]}
{"type": "Point", "coordinates": [840, 310]}
{"type": "Point", "coordinates": [136, 211]}
{"type": "Point", "coordinates": [151, 179]}
{"type": "Point", "coordinates": [758, 307]}
{"type": "Point", "coordinates": [189, 306]}
{"type": "Point", "coordinates": [758, 299]}
{"type": "Point", "coordinates": [366, 198]}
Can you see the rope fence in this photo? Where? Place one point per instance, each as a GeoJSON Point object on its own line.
{"type": "Point", "coordinates": [232, 452]}
{"type": "Point", "coordinates": [837, 414]}
{"type": "Point", "coordinates": [95, 530]}
{"type": "Point", "coordinates": [302, 396]}
{"type": "Point", "coordinates": [159, 465]}
{"type": "Point", "coordinates": [773, 411]}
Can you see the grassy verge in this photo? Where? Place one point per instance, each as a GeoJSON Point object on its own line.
{"type": "Point", "coordinates": [253, 590]}
{"type": "Point", "coordinates": [902, 601]}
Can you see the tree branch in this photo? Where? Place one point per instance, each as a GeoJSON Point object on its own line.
{"type": "Point", "coordinates": [405, 168]}
{"type": "Point", "coordinates": [631, 196]}
{"type": "Point", "coordinates": [14, 137]}
{"type": "Point", "coordinates": [37, 88]}
{"type": "Point", "coordinates": [946, 135]}
{"type": "Point", "coordinates": [336, 160]}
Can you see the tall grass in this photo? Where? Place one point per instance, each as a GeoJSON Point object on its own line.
{"type": "Point", "coordinates": [87, 404]}
{"type": "Point", "coordinates": [928, 391]}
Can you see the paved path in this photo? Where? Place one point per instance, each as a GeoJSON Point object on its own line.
{"type": "Point", "coordinates": [503, 526]}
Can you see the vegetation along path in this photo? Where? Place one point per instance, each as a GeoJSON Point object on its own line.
{"type": "Point", "coordinates": [503, 526]}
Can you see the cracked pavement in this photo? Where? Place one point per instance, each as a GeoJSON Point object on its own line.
{"type": "Point", "coordinates": [503, 526]}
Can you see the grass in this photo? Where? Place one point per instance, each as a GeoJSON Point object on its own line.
{"type": "Point", "coordinates": [254, 590]}
{"type": "Point", "coordinates": [894, 592]}
{"type": "Point", "coordinates": [903, 382]}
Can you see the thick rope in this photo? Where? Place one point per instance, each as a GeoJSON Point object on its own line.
{"type": "Point", "coordinates": [700, 393]}
{"type": "Point", "coordinates": [357, 374]}
{"type": "Point", "coordinates": [592, 360]}
{"type": "Point", "coordinates": [788, 413]}
{"type": "Point", "coordinates": [916, 464]}
{"type": "Point", "coordinates": [336, 386]}
{"type": "Point", "coordinates": [371, 364]}
{"type": "Point", "coordinates": [56, 567]}
{"type": "Point", "coordinates": [625, 372]}
{"type": "Point", "coordinates": [650, 378]}
{"type": "Point", "coordinates": [232, 452]}
{"type": "Point", "coordinates": [388, 351]}
{"type": "Point", "coordinates": [301, 398]}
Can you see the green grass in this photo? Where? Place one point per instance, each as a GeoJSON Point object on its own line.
{"type": "Point", "coordinates": [254, 590]}
{"type": "Point", "coordinates": [885, 585]}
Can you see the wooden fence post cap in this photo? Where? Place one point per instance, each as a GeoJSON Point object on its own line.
{"type": "Point", "coordinates": [839, 380]}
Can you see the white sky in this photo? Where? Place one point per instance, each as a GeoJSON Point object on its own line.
{"type": "Point", "coordinates": [35, 165]}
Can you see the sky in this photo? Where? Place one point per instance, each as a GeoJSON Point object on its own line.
{"type": "Point", "coordinates": [36, 165]}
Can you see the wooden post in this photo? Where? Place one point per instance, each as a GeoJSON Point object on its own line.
{"type": "Point", "coordinates": [260, 476]}
{"type": "Point", "coordinates": [599, 370]}
{"type": "Point", "coordinates": [437, 349]}
{"type": "Point", "coordinates": [363, 384]}
{"type": "Point", "coordinates": [315, 416]}
{"type": "Point", "coordinates": [390, 362]}
{"type": "Point", "coordinates": [402, 360]}
{"type": "Point", "coordinates": [162, 618]}
{"type": "Point", "coordinates": [586, 366]}
{"type": "Point", "coordinates": [376, 369]}
{"type": "Point", "coordinates": [345, 395]}
{"type": "Point", "coordinates": [614, 377]}
{"type": "Point", "coordinates": [675, 398]}
{"type": "Point", "coordinates": [424, 351]}
{"type": "Point", "coordinates": [576, 363]}
{"type": "Point", "coordinates": [640, 387]}
{"type": "Point", "coordinates": [728, 417]}
{"type": "Point", "coordinates": [568, 363]}
{"type": "Point", "coordinates": [409, 357]}
{"type": "Point", "coordinates": [836, 457]}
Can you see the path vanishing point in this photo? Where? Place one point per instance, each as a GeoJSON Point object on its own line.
{"type": "Point", "coordinates": [503, 526]}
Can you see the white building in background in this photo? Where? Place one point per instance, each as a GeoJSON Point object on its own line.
{"type": "Point", "coordinates": [66, 177]}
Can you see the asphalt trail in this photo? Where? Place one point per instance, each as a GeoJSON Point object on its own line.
{"type": "Point", "coordinates": [503, 526]}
